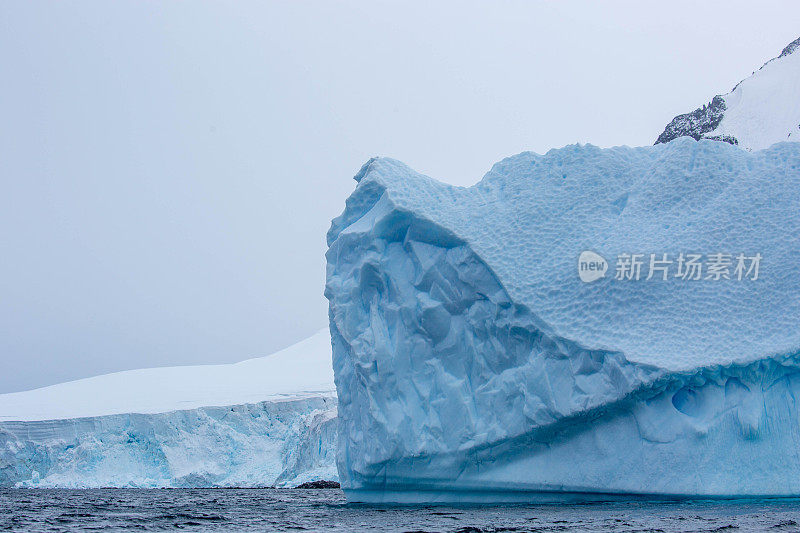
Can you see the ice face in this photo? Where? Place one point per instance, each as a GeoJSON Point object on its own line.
{"type": "Point", "coordinates": [472, 362]}
{"type": "Point", "coordinates": [277, 443]}
{"type": "Point", "coordinates": [261, 422]}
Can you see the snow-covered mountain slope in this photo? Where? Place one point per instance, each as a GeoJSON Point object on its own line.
{"type": "Point", "coordinates": [299, 371]}
{"type": "Point", "coordinates": [475, 362]}
{"type": "Point", "coordinates": [262, 422]}
{"type": "Point", "coordinates": [760, 111]}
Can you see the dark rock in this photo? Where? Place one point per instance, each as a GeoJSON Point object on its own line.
{"type": "Point", "coordinates": [700, 121]}
{"type": "Point", "coordinates": [791, 47]}
{"type": "Point", "coordinates": [321, 484]}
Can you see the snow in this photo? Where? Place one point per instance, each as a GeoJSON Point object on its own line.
{"type": "Point", "coordinates": [760, 111]}
{"type": "Point", "coordinates": [299, 371]}
{"type": "Point", "coordinates": [473, 364]}
{"type": "Point", "coordinates": [764, 108]}
{"type": "Point", "coordinates": [270, 421]}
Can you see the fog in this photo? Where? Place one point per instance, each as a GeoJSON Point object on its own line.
{"type": "Point", "coordinates": [169, 170]}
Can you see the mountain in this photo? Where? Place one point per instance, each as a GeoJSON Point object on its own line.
{"type": "Point", "coordinates": [760, 110]}
{"type": "Point", "coordinates": [261, 422]}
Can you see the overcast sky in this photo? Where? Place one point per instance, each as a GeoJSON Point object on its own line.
{"type": "Point", "coordinates": [169, 169]}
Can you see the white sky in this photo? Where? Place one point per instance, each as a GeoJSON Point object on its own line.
{"type": "Point", "coordinates": [168, 170]}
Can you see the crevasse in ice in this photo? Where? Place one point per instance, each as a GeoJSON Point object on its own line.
{"type": "Point", "coordinates": [472, 363]}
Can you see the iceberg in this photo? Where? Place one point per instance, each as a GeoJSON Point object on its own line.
{"type": "Point", "coordinates": [473, 362]}
{"type": "Point", "coordinates": [269, 421]}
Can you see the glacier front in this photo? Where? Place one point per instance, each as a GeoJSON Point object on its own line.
{"type": "Point", "coordinates": [269, 421]}
{"type": "Point", "coordinates": [472, 363]}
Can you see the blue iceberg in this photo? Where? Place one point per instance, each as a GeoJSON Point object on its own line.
{"type": "Point", "coordinates": [474, 362]}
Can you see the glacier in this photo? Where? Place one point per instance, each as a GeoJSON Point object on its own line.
{"type": "Point", "coordinates": [472, 364]}
{"type": "Point", "coordinates": [269, 421]}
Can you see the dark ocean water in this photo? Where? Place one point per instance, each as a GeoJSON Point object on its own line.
{"type": "Point", "coordinates": [325, 510]}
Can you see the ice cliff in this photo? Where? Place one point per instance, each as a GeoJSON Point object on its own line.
{"type": "Point", "coordinates": [269, 421]}
{"type": "Point", "coordinates": [472, 363]}
{"type": "Point", "coordinates": [760, 111]}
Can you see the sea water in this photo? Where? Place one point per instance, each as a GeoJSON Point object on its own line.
{"type": "Point", "coordinates": [38, 510]}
